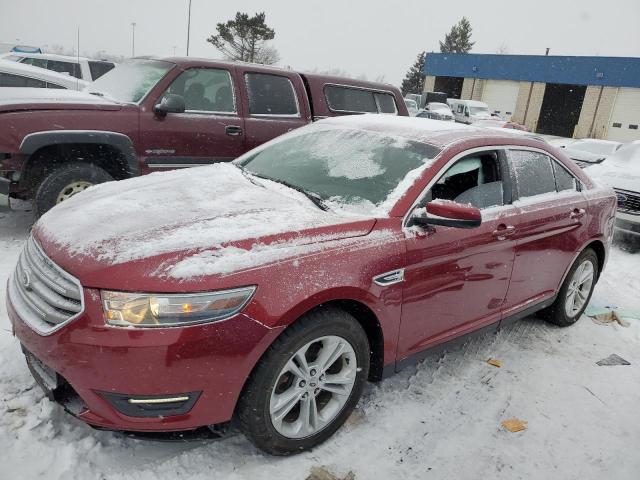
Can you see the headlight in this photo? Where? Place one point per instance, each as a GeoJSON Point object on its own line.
{"type": "Point", "coordinates": [148, 310]}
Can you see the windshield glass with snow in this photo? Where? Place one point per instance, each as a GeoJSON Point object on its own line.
{"type": "Point", "coordinates": [599, 148]}
{"type": "Point", "coordinates": [350, 167]}
{"type": "Point", "coordinates": [131, 81]}
{"type": "Point", "coordinates": [477, 110]}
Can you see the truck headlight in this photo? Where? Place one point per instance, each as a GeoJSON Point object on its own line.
{"type": "Point", "coordinates": [148, 310]}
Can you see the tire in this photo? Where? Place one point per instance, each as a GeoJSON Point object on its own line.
{"type": "Point", "coordinates": [269, 383]}
{"type": "Point", "coordinates": [71, 177]}
{"type": "Point", "coordinates": [558, 313]}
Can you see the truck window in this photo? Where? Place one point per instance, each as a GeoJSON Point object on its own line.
{"type": "Point", "coordinates": [72, 69]}
{"type": "Point", "coordinates": [36, 62]}
{"type": "Point", "coordinates": [271, 95]}
{"type": "Point", "coordinates": [345, 99]}
{"type": "Point", "coordinates": [205, 90]}
{"type": "Point", "coordinates": [9, 80]}
{"type": "Point", "coordinates": [386, 103]}
{"type": "Point", "coordinates": [98, 69]}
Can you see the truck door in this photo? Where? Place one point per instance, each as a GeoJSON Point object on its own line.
{"type": "Point", "coordinates": [275, 103]}
{"type": "Point", "coordinates": [211, 129]}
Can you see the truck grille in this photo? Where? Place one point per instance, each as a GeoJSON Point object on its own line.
{"type": "Point", "coordinates": [44, 296]}
{"type": "Point", "coordinates": [628, 202]}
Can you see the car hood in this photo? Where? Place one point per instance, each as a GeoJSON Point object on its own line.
{"type": "Point", "coordinates": [583, 156]}
{"type": "Point", "coordinates": [620, 175]}
{"type": "Point", "coordinates": [16, 99]}
{"type": "Point", "coordinates": [177, 227]}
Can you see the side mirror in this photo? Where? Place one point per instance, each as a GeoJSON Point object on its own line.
{"type": "Point", "coordinates": [170, 103]}
{"type": "Point", "coordinates": [448, 214]}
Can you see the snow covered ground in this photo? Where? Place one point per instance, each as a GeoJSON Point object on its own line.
{"type": "Point", "coordinates": [439, 419]}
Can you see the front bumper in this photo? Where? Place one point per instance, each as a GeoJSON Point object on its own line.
{"type": "Point", "coordinates": [98, 369]}
{"type": "Point", "coordinates": [627, 227]}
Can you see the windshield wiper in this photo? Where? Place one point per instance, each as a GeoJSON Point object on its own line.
{"type": "Point", "coordinates": [314, 197]}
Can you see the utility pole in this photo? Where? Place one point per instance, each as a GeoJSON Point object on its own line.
{"type": "Point", "coordinates": [133, 39]}
{"type": "Point", "coordinates": [174, 50]}
{"type": "Point", "coordinates": [188, 28]}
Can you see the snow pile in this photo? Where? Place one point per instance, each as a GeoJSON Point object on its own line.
{"type": "Point", "coordinates": [167, 212]}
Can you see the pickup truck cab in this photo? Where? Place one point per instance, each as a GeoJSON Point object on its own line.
{"type": "Point", "coordinates": [156, 114]}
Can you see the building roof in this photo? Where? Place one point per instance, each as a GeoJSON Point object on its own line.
{"type": "Point", "coordinates": [605, 71]}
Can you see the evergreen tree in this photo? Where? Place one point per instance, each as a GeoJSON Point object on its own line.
{"type": "Point", "coordinates": [458, 40]}
{"type": "Point", "coordinates": [245, 38]}
{"type": "Point", "coordinates": [414, 79]}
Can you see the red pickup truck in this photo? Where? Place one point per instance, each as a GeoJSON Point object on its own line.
{"type": "Point", "coordinates": [155, 114]}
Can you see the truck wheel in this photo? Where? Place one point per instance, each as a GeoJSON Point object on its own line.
{"type": "Point", "coordinates": [307, 384]}
{"type": "Point", "coordinates": [575, 293]}
{"type": "Point", "coordinates": [64, 181]}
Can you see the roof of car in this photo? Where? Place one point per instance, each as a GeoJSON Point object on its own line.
{"type": "Point", "coordinates": [43, 74]}
{"type": "Point", "coordinates": [51, 56]}
{"type": "Point", "coordinates": [434, 132]}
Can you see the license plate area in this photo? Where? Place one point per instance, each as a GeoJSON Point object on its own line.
{"type": "Point", "coordinates": [44, 376]}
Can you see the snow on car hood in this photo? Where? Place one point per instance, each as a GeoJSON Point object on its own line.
{"type": "Point", "coordinates": [215, 207]}
{"type": "Point", "coordinates": [23, 98]}
{"type": "Point", "coordinates": [621, 170]}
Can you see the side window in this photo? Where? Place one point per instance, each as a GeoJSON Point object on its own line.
{"type": "Point", "coordinates": [460, 108]}
{"type": "Point", "coordinates": [10, 80]}
{"type": "Point", "coordinates": [72, 69]}
{"type": "Point", "coordinates": [205, 90]}
{"type": "Point", "coordinates": [564, 180]}
{"type": "Point", "coordinates": [533, 173]}
{"type": "Point", "coordinates": [271, 95]}
{"type": "Point", "coordinates": [98, 69]}
{"type": "Point", "coordinates": [56, 86]}
{"type": "Point", "coordinates": [36, 62]}
{"type": "Point", "coordinates": [474, 179]}
{"type": "Point", "coordinates": [386, 103]}
{"type": "Point", "coordinates": [344, 99]}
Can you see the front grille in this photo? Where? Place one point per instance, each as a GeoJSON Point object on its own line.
{"type": "Point", "coordinates": [628, 202]}
{"type": "Point", "coordinates": [44, 296]}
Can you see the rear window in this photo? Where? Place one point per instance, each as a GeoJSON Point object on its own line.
{"type": "Point", "coordinates": [271, 95]}
{"type": "Point", "coordinates": [358, 100]}
{"type": "Point", "coordinates": [564, 180]}
{"type": "Point", "coordinates": [533, 173]}
{"type": "Point", "coordinates": [98, 69]}
{"type": "Point", "coordinates": [69, 68]}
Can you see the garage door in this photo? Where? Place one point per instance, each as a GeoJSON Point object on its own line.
{"type": "Point", "coordinates": [501, 96]}
{"type": "Point", "coordinates": [625, 119]}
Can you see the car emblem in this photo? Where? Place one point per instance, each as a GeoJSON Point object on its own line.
{"type": "Point", "coordinates": [26, 280]}
{"type": "Point", "coordinates": [621, 198]}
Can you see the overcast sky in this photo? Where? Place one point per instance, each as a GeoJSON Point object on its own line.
{"type": "Point", "coordinates": [371, 37]}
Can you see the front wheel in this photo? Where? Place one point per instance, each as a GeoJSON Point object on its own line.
{"type": "Point", "coordinates": [65, 181]}
{"type": "Point", "coordinates": [307, 384]}
{"type": "Point", "coordinates": [575, 293]}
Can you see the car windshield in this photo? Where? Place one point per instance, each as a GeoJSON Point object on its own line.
{"type": "Point", "coordinates": [599, 148]}
{"type": "Point", "coordinates": [352, 168]}
{"type": "Point", "coordinates": [439, 107]}
{"type": "Point", "coordinates": [131, 81]}
{"type": "Point", "coordinates": [476, 110]}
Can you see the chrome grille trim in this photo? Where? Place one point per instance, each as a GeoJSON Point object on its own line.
{"type": "Point", "coordinates": [44, 296]}
{"type": "Point", "coordinates": [628, 202]}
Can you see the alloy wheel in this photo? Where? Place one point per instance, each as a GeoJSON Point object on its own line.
{"type": "Point", "coordinates": [579, 288]}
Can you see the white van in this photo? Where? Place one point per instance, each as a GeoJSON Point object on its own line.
{"type": "Point", "coordinates": [469, 111]}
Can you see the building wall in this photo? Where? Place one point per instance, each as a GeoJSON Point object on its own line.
{"type": "Point", "coordinates": [429, 83]}
{"type": "Point", "coordinates": [596, 111]}
{"type": "Point", "coordinates": [528, 104]}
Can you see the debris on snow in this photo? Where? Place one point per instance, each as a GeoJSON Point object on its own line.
{"type": "Point", "coordinates": [321, 473]}
{"type": "Point", "coordinates": [612, 360]}
{"type": "Point", "coordinates": [494, 362]}
{"type": "Point", "coordinates": [609, 317]}
{"type": "Point", "coordinates": [514, 425]}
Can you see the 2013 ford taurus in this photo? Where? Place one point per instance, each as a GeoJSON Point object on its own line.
{"type": "Point", "coordinates": [270, 289]}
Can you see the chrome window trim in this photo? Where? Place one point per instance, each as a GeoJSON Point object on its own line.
{"type": "Point", "coordinates": [63, 273]}
{"type": "Point", "coordinates": [354, 87]}
{"type": "Point", "coordinates": [276, 115]}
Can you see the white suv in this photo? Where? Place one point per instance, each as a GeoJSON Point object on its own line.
{"type": "Point", "coordinates": [79, 67]}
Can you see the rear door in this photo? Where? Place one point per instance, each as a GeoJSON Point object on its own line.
{"type": "Point", "coordinates": [210, 130]}
{"type": "Point", "coordinates": [550, 227]}
{"type": "Point", "coordinates": [456, 280]}
{"type": "Point", "coordinates": [275, 103]}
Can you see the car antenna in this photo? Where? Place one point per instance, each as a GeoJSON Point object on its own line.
{"type": "Point", "coordinates": [78, 56]}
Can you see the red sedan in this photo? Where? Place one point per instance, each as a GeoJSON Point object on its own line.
{"type": "Point", "coordinates": [270, 289]}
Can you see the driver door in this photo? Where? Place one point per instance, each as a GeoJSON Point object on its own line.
{"type": "Point", "coordinates": [456, 280]}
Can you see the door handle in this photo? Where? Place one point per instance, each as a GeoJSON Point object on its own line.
{"type": "Point", "coordinates": [233, 130]}
{"type": "Point", "coordinates": [577, 213]}
{"type": "Point", "coordinates": [503, 231]}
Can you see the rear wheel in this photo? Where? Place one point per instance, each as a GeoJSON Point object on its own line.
{"type": "Point", "coordinates": [307, 384]}
{"type": "Point", "coordinates": [575, 293]}
{"type": "Point", "coordinates": [65, 181]}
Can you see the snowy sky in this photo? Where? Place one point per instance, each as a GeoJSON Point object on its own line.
{"type": "Point", "coordinates": [361, 37]}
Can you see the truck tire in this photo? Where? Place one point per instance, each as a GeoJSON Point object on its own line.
{"type": "Point", "coordinates": [64, 181]}
{"type": "Point", "coordinates": [307, 384]}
